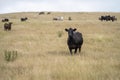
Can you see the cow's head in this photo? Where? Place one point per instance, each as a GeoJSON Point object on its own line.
{"type": "Point", "coordinates": [70, 32]}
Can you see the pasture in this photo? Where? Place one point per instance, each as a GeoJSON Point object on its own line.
{"type": "Point", "coordinates": [43, 54]}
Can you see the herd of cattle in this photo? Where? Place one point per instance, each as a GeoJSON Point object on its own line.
{"type": "Point", "coordinates": [75, 39]}
{"type": "Point", "coordinates": [40, 13]}
{"type": "Point", "coordinates": [108, 18]}
{"type": "Point", "coordinates": [8, 25]}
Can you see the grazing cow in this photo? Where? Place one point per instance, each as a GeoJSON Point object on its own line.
{"type": "Point", "coordinates": [102, 18]}
{"type": "Point", "coordinates": [49, 13]}
{"type": "Point", "coordinates": [75, 40]}
{"type": "Point", "coordinates": [58, 18]}
{"type": "Point", "coordinates": [69, 18]}
{"type": "Point", "coordinates": [61, 18]}
{"type": "Point", "coordinates": [113, 18]}
{"type": "Point", "coordinates": [7, 26]}
{"type": "Point", "coordinates": [24, 19]}
{"type": "Point", "coordinates": [41, 13]}
{"type": "Point", "coordinates": [55, 18]}
{"type": "Point", "coordinates": [5, 20]}
{"type": "Point", "coordinates": [108, 18]}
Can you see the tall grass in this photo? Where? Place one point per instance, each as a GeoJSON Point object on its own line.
{"type": "Point", "coordinates": [60, 33]}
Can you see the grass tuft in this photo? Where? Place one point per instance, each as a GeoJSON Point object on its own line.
{"type": "Point", "coordinates": [10, 55]}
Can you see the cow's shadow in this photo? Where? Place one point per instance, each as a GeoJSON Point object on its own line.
{"type": "Point", "coordinates": [59, 53]}
{"type": "Point", "coordinates": [63, 53]}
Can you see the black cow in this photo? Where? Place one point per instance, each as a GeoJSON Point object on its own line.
{"type": "Point", "coordinates": [24, 19]}
{"type": "Point", "coordinates": [69, 18]}
{"type": "Point", "coordinates": [75, 40]}
{"type": "Point", "coordinates": [113, 18]}
{"type": "Point", "coordinates": [108, 18]}
{"type": "Point", "coordinates": [7, 26]}
{"type": "Point", "coordinates": [102, 18]}
{"type": "Point", "coordinates": [5, 20]}
{"type": "Point", "coordinates": [41, 13]}
{"type": "Point", "coordinates": [49, 13]}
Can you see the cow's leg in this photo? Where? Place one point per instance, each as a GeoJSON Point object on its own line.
{"type": "Point", "coordinates": [70, 51]}
{"type": "Point", "coordinates": [79, 49]}
{"type": "Point", "coordinates": [5, 28]}
{"type": "Point", "coordinates": [75, 50]}
{"type": "Point", "coordinates": [9, 28]}
{"type": "Point", "coordinates": [112, 20]}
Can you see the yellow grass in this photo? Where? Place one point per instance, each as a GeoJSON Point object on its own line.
{"type": "Point", "coordinates": [43, 55]}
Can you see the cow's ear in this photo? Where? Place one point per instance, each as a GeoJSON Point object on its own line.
{"type": "Point", "coordinates": [74, 29]}
{"type": "Point", "coordinates": [66, 29]}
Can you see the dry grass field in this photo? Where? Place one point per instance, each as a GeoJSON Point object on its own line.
{"type": "Point", "coordinates": [42, 51]}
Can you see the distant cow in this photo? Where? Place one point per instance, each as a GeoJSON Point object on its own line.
{"type": "Point", "coordinates": [7, 26]}
{"type": "Point", "coordinates": [113, 18]}
{"type": "Point", "coordinates": [69, 18]}
{"type": "Point", "coordinates": [5, 20]}
{"type": "Point", "coordinates": [108, 18]}
{"type": "Point", "coordinates": [24, 19]}
{"type": "Point", "coordinates": [75, 40]}
{"type": "Point", "coordinates": [102, 18]}
{"type": "Point", "coordinates": [49, 13]}
{"type": "Point", "coordinates": [55, 18]}
{"type": "Point", "coordinates": [60, 18]}
{"type": "Point", "coordinates": [41, 13]}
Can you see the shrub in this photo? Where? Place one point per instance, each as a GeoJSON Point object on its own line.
{"type": "Point", "coordinates": [10, 55]}
{"type": "Point", "coordinates": [60, 33]}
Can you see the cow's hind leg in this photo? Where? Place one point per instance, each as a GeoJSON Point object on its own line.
{"type": "Point", "coordinates": [70, 51]}
{"type": "Point", "coordinates": [75, 50]}
{"type": "Point", "coordinates": [5, 28]}
{"type": "Point", "coordinates": [79, 49]}
{"type": "Point", "coordinates": [9, 28]}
